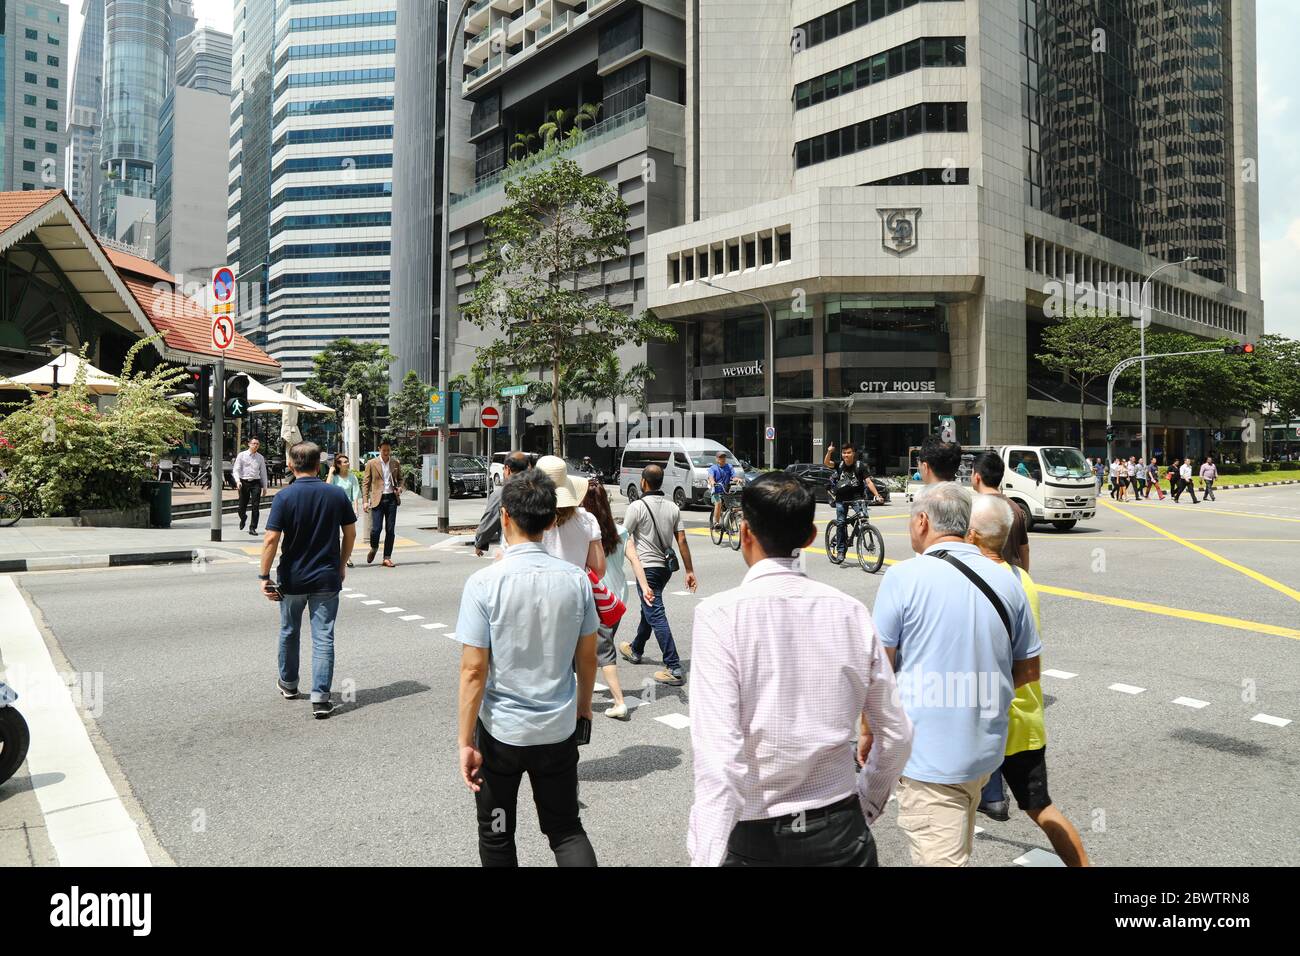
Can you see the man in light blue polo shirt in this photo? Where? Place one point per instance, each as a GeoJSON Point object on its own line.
{"type": "Point", "coordinates": [958, 664]}
{"type": "Point", "coordinates": [526, 623]}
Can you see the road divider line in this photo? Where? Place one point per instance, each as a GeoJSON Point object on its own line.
{"type": "Point", "coordinates": [1264, 579]}
{"type": "Point", "coordinates": [1211, 511]}
{"type": "Point", "coordinates": [85, 818]}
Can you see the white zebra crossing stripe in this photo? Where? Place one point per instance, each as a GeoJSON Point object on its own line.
{"type": "Point", "coordinates": [1272, 721]}
{"type": "Point", "coordinates": [1038, 857]}
{"type": "Point", "coordinates": [1127, 689]}
{"type": "Point", "coordinates": [391, 610]}
{"type": "Point", "coordinates": [1191, 702]}
{"type": "Point", "coordinates": [412, 617]}
{"type": "Point", "coordinates": [675, 721]}
{"type": "Point", "coordinates": [354, 594]}
{"type": "Point", "coordinates": [1059, 675]}
{"type": "Point", "coordinates": [369, 603]}
{"type": "Point", "coordinates": [433, 627]}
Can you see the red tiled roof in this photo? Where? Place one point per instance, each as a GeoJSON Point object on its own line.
{"type": "Point", "coordinates": [125, 262]}
{"type": "Point", "coordinates": [16, 206]}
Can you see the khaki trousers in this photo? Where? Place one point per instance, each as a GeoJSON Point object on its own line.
{"type": "Point", "coordinates": [939, 819]}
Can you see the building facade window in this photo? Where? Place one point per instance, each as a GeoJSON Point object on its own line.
{"type": "Point", "coordinates": [900, 124]}
{"type": "Point", "coordinates": [849, 17]}
{"type": "Point", "coordinates": [929, 51]}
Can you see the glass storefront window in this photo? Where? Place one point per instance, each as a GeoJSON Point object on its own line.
{"type": "Point", "coordinates": [871, 324]}
{"type": "Point", "coordinates": [794, 333]}
{"type": "Point", "coordinates": [733, 340]}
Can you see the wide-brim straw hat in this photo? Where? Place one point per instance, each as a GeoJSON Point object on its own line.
{"type": "Point", "coordinates": [569, 489]}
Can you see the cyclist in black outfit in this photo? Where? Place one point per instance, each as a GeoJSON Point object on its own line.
{"type": "Point", "coordinates": [850, 483]}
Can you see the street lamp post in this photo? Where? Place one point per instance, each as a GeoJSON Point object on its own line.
{"type": "Point", "coordinates": [448, 280]}
{"type": "Point", "coordinates": [769, 366]}
{"type": "Point", "coordinates": [1143, 322]}
{"type": "Point", "coordinates": [57, 347]}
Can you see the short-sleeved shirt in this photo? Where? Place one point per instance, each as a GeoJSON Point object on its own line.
{"type": "Point", "coordinates": [849, 483]}
{"type": "Point", "coordinates": [1026, 729]}
{"type": "Point", "coordinates": [1114, 469]}
{"type": "Point", "coordinates": [653, 521]}
{"type": "Point", "coordinates": [1019, 535]}
{"type": "Point", "coordinates": [529, 609]}
{"type": "Point", "coordinates": [721, 476]}
{"type": "Point", "coordinates": [570, 541]}
{"type": "Point", "coordinates": [615, 572]}
{"type": "Point", "coordinates": [954, 660]}
{"type": "Point", "coordinates": [309, 515]}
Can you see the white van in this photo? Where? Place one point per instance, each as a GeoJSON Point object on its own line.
{"type": "Point", "coordinates": [1050, 483]}
{"type": "Point", "coordinates": [685, 462]}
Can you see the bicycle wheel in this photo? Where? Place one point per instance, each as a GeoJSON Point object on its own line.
{"type": "Point", "coordinates": [836, 556]}
{"type": "Point", "coordinates": [717, 531]}
{"type": "Point", "coordinates": [870, 546]}
{"type": "Point", "coordinates": [11, 509]}
{"type": "Point", "coordinates": [733, 529]}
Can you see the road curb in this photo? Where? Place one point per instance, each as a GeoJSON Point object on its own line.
{"type": "Point", "coordinates": [64, 562]}
{"type": "Point", "coordinates": [1260, 484]}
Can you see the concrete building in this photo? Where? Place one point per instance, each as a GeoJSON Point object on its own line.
{"type": "Point", "coordinates": [906, 184]}
{"type": "Point", "coordinates": [419, 103]}
{"type": "Point", "coordinates": [191, 194]}
{"type": "Point", "coordinates": [35, 91]}
{"type": "Point", "coordinates": [203, 61]}
{"type": "Point", "coordinates": [83, 112]}
{"type": "Point", "coordinates": [520, 62]}
{"type": "Point", "coordinates": [248, 185]}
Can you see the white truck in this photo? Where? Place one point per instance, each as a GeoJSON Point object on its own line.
{"type": "Point", "coordinates": [1050, 483]}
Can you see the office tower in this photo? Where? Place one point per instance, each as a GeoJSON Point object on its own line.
{"type": "Point", "coordinates": [83, 113]}
{"type": "Point", "coordinates": [35, 89]}
{"type": "Point", "coordinates": [203, 61]}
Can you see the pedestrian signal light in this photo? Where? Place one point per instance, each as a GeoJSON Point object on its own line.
{"type": "Point", "coordinates": [237, 387]}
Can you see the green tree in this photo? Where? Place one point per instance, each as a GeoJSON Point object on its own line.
{"type": "Point", "coordinates": [64, 456]}
{"type": "Point", "coordinates": [408, 415]}
{"type": "Point", "coordinates": [1209, 387]}
{"type": "Point", "coordinates": [557, 223]}
{"type": "Point", "coordinates": [1277, 361]}
{"type": "Point", "coordinates": [608, 382]}
{"type": "Point", "coordinates": [1086, 346]}
{"type": "Point", "coordinates": [345, 367]}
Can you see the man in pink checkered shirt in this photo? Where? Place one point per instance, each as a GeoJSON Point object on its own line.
{"type": "Point", "coordinates": [786, 672]}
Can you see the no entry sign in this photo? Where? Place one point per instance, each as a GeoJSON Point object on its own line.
{"type": "Point", "coordinates": [490, 417]}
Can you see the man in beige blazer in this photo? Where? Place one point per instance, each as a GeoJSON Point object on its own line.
{"type": "Point", "coordinates": [381, 493]}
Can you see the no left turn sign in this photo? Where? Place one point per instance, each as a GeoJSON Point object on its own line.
{"type": "Point", "coordinates": [223, 332]}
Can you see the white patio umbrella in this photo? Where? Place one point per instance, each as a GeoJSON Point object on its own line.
{"type": "Point", "coordinates": [292, 397]}
{"type": "Point", "coordinates": [42, 379]}
{"type": "Point", "coordinates": [289, 432]}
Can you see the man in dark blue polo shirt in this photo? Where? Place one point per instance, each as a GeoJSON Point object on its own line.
{"type": "Point", "coordinates": [307, 521]}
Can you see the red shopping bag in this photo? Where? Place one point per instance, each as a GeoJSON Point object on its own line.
{"type": "Point", "coordinates": [609, 606]}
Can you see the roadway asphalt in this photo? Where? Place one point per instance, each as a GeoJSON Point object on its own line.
{"type": "Point", "coordinates": [1192, 609]}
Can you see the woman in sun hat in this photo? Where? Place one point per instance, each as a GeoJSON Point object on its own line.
{"type": "Point", "coordinates": [575, 537]}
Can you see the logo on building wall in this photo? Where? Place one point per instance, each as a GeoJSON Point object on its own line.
{"type": "Point", "coordinates": [742, 371]}
{"type": "Point", "coordinates": [898, 229]}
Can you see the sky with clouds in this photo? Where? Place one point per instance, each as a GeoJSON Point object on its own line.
{"type": "Point", "coordinates": [1279, 147]}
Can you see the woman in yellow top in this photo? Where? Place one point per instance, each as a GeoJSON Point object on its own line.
{"type": "Point", "coordinates": [1025, 765]}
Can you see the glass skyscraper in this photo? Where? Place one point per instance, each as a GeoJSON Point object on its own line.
{"type": "Point", "coordinates": [83, 112]}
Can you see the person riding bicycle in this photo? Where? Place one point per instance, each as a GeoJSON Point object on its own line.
{"type": "Point", "coordinates": [850, 483]}
{"type": "Point", "coordinates": [721, 475]}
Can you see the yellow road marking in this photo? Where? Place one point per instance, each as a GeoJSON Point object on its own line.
{"type": "Point", "coordinates": [1241, 569]}
{"type": "Point", "coordinates": [1207, 511]}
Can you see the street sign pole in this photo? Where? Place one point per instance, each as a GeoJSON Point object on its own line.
{"type": "Point", "coordinates": [514, 422]}
{"type": "Point", "coordinates": [218, 453]}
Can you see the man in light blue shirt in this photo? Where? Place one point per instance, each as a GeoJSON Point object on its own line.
{"type": "Point", "coordinates": [958, 664]}
{"type": "Point", "coordinates": [526, 622]}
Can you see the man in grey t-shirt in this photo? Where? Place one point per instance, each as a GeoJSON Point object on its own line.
{"type": "Point", "coordinates": [653, 522]}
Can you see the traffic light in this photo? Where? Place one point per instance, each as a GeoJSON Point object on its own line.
{"type": "Point", "coordinates": [237, 396]}
{"type": "Point", "coordinates": [1110, 434]}
{"type": "Point", "coordinates": [197, 382]}
{"type": "Point", "coordinates": [1247, 349]}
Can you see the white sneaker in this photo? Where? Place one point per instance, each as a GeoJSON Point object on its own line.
{"type": "Point", "coordinates": [618, 711]}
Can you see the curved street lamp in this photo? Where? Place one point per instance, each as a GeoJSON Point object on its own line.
{"type": "Point", "coordinates": [1143, 322]}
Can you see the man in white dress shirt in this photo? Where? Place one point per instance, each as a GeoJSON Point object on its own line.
{"type": "Point", "coordinates": [783, 669]}
{"type": "Point", "coordinates": [249, 474]}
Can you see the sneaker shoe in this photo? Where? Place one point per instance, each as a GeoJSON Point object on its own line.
{"type": "Point", "coordinates": [628, 654]}
{"type": "Point", "coordinates": [618, 711]}
{"type": "Point", "coordinates": [996, 810]}
{"type": "Point", "coordinates": [321, 709]}
{"type": "Point", "coordinates": [668, 677]}
{"type": "Point", "coordinates": [287, 692]}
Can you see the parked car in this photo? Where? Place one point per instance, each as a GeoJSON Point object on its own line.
{"type": "Point", "coordinates": [467, 476]}
{"type": "Point", "coordinates": [816, 477]}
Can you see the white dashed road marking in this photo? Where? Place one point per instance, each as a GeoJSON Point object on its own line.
{"type": "Point", "coordinates": [433, 627]}
{"type": "Point", "coordinates": [412, 617]}
{"type": "Point", "coordinates": [390, 610]}
{"type": "Point", "coordinates": [368, 603]}
{"type": "Point", "coordinates": [1059, 675]}
{"type": "Point", "coordinates": [355, 594]}
{"type": "Point", "coordinates": [1038, 857]}
{"type": "Point", "coordinates": [1127, 688]}
{"type": "Point", "coordinates": [1272, 721]}
{"type": "Point", "coordinates": [1190, 702]}
{"type": "Point", "coordinates": [675, 721]}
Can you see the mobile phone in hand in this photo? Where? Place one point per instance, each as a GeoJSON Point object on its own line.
{"type": "Point", "coordinates": [583, 733]}
{"type": "Point", "coordinates": [272, 590]}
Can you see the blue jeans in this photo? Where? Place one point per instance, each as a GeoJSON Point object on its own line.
{"type": "Point", "coordinates": [384, 515]}
{"type": "Point", "coordinates": [841, 515]}
{"type": "Point", "coordinates": [324, 608]}
{"type": "Point", "coordinates": [654, 617]}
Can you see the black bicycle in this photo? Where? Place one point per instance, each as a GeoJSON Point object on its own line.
{"type": "Point", "coordinates": [867, 541]}
{"type": "Point", "coordinates": [728, 526]}
{"type": "Point", "coordinates": [12, 505]}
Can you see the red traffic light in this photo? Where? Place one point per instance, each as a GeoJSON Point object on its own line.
{"type": "Point", "coordinates": [1247, 349]}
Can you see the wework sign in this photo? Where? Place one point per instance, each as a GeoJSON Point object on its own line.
{"type": "Point", "coordinates": [742, 371]}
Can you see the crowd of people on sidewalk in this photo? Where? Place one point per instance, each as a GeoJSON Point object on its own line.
{"type": "Point", "coordinates": [1142, 478]}
{"type": "Point", "coordinates": [808, 711]}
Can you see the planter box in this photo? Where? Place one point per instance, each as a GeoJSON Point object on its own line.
{"type": "Point", "coordinates": [137, 517]}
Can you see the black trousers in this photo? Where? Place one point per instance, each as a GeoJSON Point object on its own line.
{"type": "Point", "coordinates": [384, 515]}
{"type": "Point", "coordinates": [553, 774]}
{"type": "Point", "coordinates": [836, 835]}
{"type": "Point", "coordinates": [250, 492]}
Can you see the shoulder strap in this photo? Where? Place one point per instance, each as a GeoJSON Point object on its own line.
{"type": "Point", "coordinates": [654, 524]}
{"type": "Point", "coordinates": [984, 587]}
